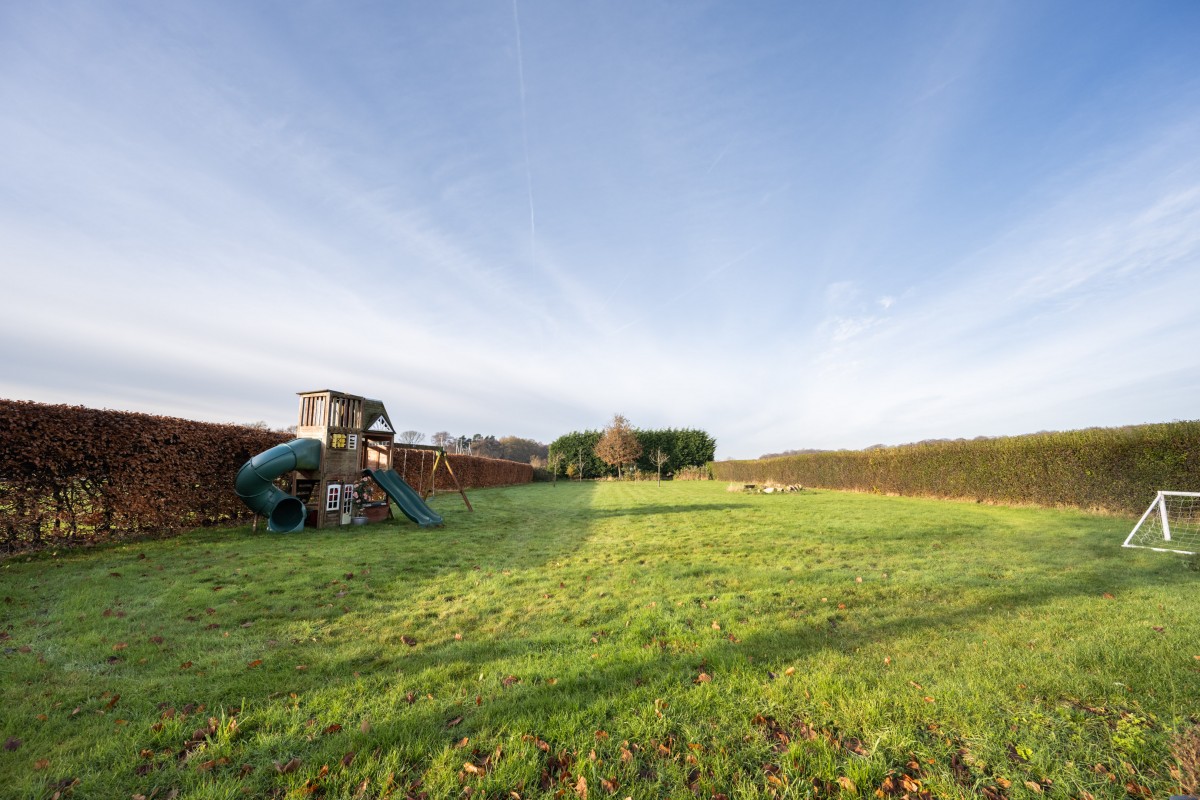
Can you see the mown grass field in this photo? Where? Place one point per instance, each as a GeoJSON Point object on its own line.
{"type": "Point", "coordinates": [597, 639]}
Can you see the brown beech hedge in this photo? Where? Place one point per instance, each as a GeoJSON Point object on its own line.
{"type": "Point", "coordinates": [71, 475]}
{"type": "Point", "coordinates": [1115, 470]}
{"type": "Point", "coordinates": [472, 472]}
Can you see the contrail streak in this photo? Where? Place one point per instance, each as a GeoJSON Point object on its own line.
{"type": "Point", "coordinates": [525, 135]}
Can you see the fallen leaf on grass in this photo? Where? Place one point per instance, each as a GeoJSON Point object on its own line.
{"type": "Point", "coordinates": [120, 646]}
{"type": "Point", "coordinates": [365, 725]}
{"type": "Point", "coordinates": [929, 699]}
{"type": "Point", "coordinates": [41, 763]}
{"type": "Point", "coordinates": [1108, 596]}
{"type": "Point", "coordinates": [843, 781]}
{"type": "Point", "coordinates": [186, 665]}
{"type": "Point", "coordinates": [332, 728]}
{"type": "Point", "coordinates": [12, 743]}
{"type": "Point", "coordinates": [113, 701]}
{"type": "Point", "coordinates": [716, 626]}
{"type": "Point", "coordinates": [581, 788]}
{"type": "Point", "coordinates": [1036, 788]}
{"type": "Point", "coordinates": [1015, 755]}
{"type": "Point", "coordinates": [408, 640]}
{"type": "Point", "coordinates": [790, 671]}
{"type": "Point", "coordinates": [703, 677]}
{"type": "Point", "coordinates": [346, 759]}
{"type": "Point", "coordinates": [291, 766]}
{"type": "Point", "coordinates": [255, 663]}
{"type": "Point", "coordinates": [156, 640]}
{"type": "Point", "coordinates": [855, 746]}
{"type": "Point", "coordinates": [509, 680]}
{"type": "Point", "coordinates": [454, 722]}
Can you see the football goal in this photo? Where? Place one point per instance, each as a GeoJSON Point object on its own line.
{"type": "Point", "coordinates": [1171, 524]}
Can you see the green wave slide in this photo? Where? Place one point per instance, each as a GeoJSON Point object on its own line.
{"type": "Point", "coordinates": [405, 497]}
{"type": "Point", "coordinates": [255, 483]}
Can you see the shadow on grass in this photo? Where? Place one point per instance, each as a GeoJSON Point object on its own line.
{"type": "Point", "coordinates": [659, 510]}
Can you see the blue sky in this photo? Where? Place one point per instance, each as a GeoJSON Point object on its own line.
{"type": "Point", "coordinates": [793, 225]}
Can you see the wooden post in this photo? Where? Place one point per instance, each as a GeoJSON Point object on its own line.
{"type": "Point", "coordinates": [433, 475]}
{"type": "Point", "coordinates": [459, 486]}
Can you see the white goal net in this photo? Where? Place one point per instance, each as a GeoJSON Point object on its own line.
{"type": "Point", "coordinates": [1171, 524]}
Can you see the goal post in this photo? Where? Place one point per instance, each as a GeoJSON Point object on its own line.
{"type": "Point", "coordinates": [1170, 525]}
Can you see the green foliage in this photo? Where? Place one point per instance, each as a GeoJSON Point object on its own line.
{"type": "Point", "coordinates": [686, 447]}
{"type": "Point", "coordinates": [579, 448]}
{"type": "Point", "coordinates": [1110, 469]}
{"type": "Point", "coordinates": [684, 625]}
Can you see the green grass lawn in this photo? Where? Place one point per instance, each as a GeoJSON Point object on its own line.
{"type": "Point", "coordinates": [582, 640]}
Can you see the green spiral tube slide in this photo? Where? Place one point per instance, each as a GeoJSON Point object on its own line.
{"type": "Point", "coordinates": [255, 483]}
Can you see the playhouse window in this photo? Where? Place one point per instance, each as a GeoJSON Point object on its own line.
{"type": "Point", "coordinates": [333, 497]}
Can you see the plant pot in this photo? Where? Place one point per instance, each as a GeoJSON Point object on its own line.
{"type": "Point", "coordinates": [359, 520]}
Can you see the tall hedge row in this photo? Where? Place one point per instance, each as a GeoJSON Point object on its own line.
{"type": "Point", "coordinates": [70, 474]}
{"type": "Point", "coordinates": [685, 447]}
{"type": "Point", "coordinates": [1117, 470]}
{"type": "Point", "coordinates": [473, 472]}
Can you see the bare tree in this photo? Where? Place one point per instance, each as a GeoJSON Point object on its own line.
{"type": "Point", "coordinates": [619, 444]}
{"type": "Point", "coordinates": [411, 437]}
{"type": "Point", "coordinates": [660, 459]}
{"type": "Point", "coordinates": [441, 439]}
{"type": "Point", "coordinates": [553, 462]}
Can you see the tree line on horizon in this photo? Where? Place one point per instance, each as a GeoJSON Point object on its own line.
{"type": "Point", "coordinates": [509, 448]}
{"type": "Point", "coordinates": [608, 452]}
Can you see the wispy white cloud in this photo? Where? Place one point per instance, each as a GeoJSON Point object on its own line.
{"type": "Point", "coordinates": [860, 238]}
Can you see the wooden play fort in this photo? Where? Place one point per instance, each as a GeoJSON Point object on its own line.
{"type": "Point", "coordinates": [340, 469]}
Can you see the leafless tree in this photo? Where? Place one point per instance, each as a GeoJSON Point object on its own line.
{"type": "Point", "coordinates": [660, 459]}
{"type": "Point", "coordinates": [411, 437]}
{"type": "Point", "coordinates": [553, 462]}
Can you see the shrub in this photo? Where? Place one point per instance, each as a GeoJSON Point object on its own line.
{"type": "Point", "coordinates": [1117, 470]}
{"type": "Point", "coordinates": [71, 475]}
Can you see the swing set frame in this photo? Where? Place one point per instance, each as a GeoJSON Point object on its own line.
{"type": "Point", "coordinates": [439, 460]}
